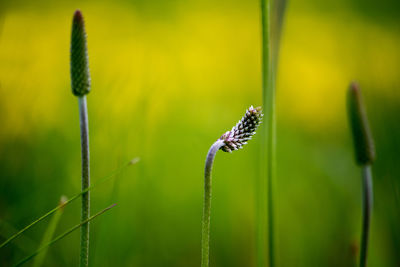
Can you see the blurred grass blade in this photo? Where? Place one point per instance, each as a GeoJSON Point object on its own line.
{"type": "Point", "coordinates": [24, 243]}
{"type": "Point", "coordinates": [277, 17]}
{"type": "Point", "coordinates": [105, 179]}
{"type": "Point", "coordinates": [48, 235]}
{"type": "Point", "coordinates": [265, 198]}
{"type": "Point", "coordinates": [45, 246]}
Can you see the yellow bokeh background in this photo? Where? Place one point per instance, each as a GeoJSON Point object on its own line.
{"type": "Point", "coordinates": [167, 80]}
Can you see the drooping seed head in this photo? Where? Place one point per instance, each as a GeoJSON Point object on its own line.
{"type": "Point", "coordinates": [80, 76]}
{"type": "Point", "coordinates": [362, 137]}
{"type": "Point", "coordinates": [243, 131]}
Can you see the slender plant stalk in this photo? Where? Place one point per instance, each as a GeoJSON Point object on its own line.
{"type": "Point", "coordinates": [268, 139]}
{"type": "Point", "coordinates": [62, 236]}
{"type": "Point", "coordinates": [205, 233]}
{"type": "Point", "coordinates": [278, 9]}
{"type": "Point", "coordinates": [80, 85]}
{"type": "Point", "coordinates": [364, 149]}
{"type": "Point", "coordinates": [84, 258]}
{"type": "Point", "coordinates": [44, 216]}
{"type": "Point", "coordinates": [367, 209]}
{"type": "Point", "coordinates": [230, 141]}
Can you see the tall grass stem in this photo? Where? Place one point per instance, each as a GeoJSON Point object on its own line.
{"type": "Point", "coordinates": [268, 139]}
{"type": "Point", "coordinates": [205, 233]}
{"type": "Point", "coordinates": [85, 157]}
{"type": "Point", "coordinates": [367, 201]}
{"type": "Point", "coordinates": [364, 149]}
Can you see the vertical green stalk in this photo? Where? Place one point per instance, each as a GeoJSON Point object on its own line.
{"type": "Point", "coordinates": [367, 209]}
{"type": "Point", "coordinates": [205, 226]}
{"type": "Point", "coordinates": [85, 213]}
{"type": "Point", "coordinates": [364, 149]}
{"type": "Point", "coordinates": [80, 83]}
{"type": "Point", "coordinates": [268, 139]}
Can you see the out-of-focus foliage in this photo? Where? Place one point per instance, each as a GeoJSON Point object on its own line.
{"type": "Point", "coordinates": [168, 78]}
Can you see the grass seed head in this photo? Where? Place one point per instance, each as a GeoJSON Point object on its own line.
{"type": "Point", "coordinates": [80, 76]}
{"type": "Point", "coordinates": [243, 131]}
{"type": "Point", "coordinates": [362, 137]}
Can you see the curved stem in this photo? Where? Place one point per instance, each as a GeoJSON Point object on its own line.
{"type": "Point", "coordinates": [84, 125]}
{"type": "Point", "coordinates": [367, 209]}
{"type": "Point", "coordinates": [205, 233]}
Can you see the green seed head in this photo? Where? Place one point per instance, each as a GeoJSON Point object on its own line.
{"type": "Point", "coordinates": [243, 131]}
{"type": "Point", "coordinates": [363, 142]}
{"type": "Point", "coordinates": [80, 76]}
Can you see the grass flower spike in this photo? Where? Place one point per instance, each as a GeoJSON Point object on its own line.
{"type": "Point", "coordinates": [80, 83]}
{"type": "Point", "coordinates": [243, 131]}
{"type": "Point", "coordinates": [80, 76]}
{"type": "Point", "coordinates": [228, 142]}
{"type": "Point", "coordinates": [365, 156]}
{"type": "Point", "coordinates": [363, 143]}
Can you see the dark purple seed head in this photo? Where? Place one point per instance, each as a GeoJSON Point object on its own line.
{"type": "Point", "coordinates": [243, 131]}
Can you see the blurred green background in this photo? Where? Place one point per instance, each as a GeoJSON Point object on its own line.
{"type": "Point", "coordinates": [168, 78]}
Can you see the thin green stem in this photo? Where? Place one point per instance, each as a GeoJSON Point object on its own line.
{"type": "Point", "coordinates": [62, 236]}
{"type": "Point", "coordinates": [261, 226]}
{"type": "Point", "coordinates": [268, 154]}
{"type": "Point", "coordinates": [367, 210]}
{"type": "Point", "coordinates": [103, 180]}
{"type": "Point", "coordinates": [205, 233]}
{"type": "Point", "coordinates": [277, 21]}
{"type": "Point", "coordinates": [84, 125]}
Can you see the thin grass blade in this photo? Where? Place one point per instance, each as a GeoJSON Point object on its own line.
{"type": "Point", "coordinates": [103, 180]}
{"type": "Point", "coordinates": [45, 246]}
{"type": "Point", "coordinates": [48, 235]}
